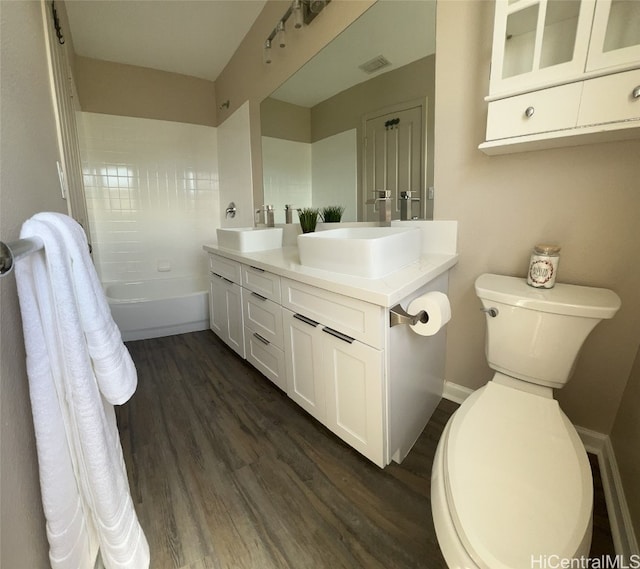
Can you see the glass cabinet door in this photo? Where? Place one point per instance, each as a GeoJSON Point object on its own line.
{"type": "Point", "coordinates": [539, 43]}
{"type": "Point", "coordinates": [615, 40]}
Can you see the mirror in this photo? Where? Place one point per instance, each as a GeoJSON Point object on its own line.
{"type": "Point", "coordinates": [356, 118]}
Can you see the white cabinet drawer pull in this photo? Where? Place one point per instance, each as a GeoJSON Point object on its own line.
{"type": "Point", "coordinates": [338, 335]}
{"type": "Point", "coordinates": [263, 340]}
{"type": "Point", "coordinates": [529, 112]}
{"type": "Point", "coordinates": [258, 296]}
{"type": "Point", "coordinates": [306, 320]}
{"type": "Point", "coordinates": [258, 269]}
{"type": "Point", "coordinates": [635, 94]}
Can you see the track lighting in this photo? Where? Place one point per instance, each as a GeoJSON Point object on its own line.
{"type": "Point", "coordinates": [298, 16]}
{"type": "Point", "coordinates": [266, 54]}
{"type": "Point", "coordinates": [281, 34]}
{"type": "Point", "coordinates": [302, 12]}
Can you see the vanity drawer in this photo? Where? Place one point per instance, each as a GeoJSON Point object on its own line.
{"type": "Point", "coordinates": [550, 109]}
{"type": "Point", "coordinates": [265, 357]}
{"type": "Point", "coordinates": [610, 99]}
{"type": "Point", "coordinates": [355, 318]}
{"type": "Point", "coordinates": [263, 316]}
{"type": "Point", "coordinates": [225, 268]}
{"type": "Point", "coordinates": [262, 282]}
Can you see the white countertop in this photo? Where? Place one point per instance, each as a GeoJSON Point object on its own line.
{"type": "Point", "coordinates": [386, 291]}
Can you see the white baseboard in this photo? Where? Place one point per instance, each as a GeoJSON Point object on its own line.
{"type": "Point", "coordinates": [624, 539]}
{"type": "Point", "coordinates": [456, 393]}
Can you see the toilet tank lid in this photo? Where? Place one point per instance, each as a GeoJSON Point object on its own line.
{"type": "Point", "coordinates": [568, 299]}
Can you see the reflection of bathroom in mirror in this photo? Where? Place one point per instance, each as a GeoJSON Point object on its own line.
{"type": "Point", "coordinates": [356, 118]}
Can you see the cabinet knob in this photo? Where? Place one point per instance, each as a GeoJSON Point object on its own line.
{"type": "Point", "coordinates": [529, 112]}
{"type": "Point", "coordinates": [635, 94]}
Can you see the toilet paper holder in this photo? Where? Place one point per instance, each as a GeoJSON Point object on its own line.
{"type": "Point", "coordinates": [398, 315]}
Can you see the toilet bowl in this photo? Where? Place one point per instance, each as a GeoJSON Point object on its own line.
{"type": "Point", "coordinates": [511, 483]}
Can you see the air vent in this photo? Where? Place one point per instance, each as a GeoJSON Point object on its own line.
{"type": "Point", "coordinates": [374, 64]}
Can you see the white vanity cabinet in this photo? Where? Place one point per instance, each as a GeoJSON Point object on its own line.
{"type": "Point", "coordinates": [563, 72]}
{"type": "Point", "coordinates": [225, 302]}
{"type": "Point", "coordinates": [328, 343]}
{"type": "Point", "coordinates": [332, 372]}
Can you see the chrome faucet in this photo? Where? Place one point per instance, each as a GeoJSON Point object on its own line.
{"type": "Point", "coordinates": [383, 199]}
{"type": "Point", "coordinates": [268, 219]}
{"type": "Point", "coordinates": [406, 202]}
{"type": "Point", "coordinates": [288, 213]}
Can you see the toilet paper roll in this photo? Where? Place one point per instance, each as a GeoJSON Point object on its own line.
{"type": "Point", "coordinates": [436, 305]}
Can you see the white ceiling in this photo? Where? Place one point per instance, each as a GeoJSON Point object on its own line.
{"type": "Point", "coordinates": [191, 37]}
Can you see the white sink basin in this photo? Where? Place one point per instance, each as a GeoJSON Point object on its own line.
{"type": "Point", "coordinates": [369, 252]}
{"type": "Point", "coordinates": [248, 239]}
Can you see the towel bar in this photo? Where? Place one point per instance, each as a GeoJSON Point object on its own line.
{"type": "Point", "coordinates": [11, 252]}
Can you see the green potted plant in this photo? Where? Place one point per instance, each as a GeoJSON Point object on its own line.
{"type": "Point", "coordinates": [308, 218]}
{"type": "Point", "coordinates": [332, 213]}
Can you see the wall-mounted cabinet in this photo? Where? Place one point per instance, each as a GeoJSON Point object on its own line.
{"type": "Point", "coordinates": [563, 73]}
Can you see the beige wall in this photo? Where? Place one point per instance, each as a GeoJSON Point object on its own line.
{"type": "Point", "coordinates": [28, 184]}
{"type": "Point", "coordinates": [285, 120]}
{"type": "Point", "coordinates": [344, 111]}
{"type": "Point", "coordinates": [585, 198]}
{"type": "Point", "coordinates": [128, 90]}
{"type": "Point", "coordinates": [625, 438]}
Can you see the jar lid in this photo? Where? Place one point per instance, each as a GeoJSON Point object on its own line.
{"type": "Point", "coordinates": [547, 249]}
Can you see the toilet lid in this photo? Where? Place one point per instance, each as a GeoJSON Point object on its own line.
{"type": "Point", "coordinates": [517, 479]}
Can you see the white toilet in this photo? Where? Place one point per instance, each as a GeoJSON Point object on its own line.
{"type": "Point", "coordinates": [511, 484]}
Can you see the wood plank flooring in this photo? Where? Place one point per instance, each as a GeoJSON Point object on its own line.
{"type": "Point", "coordinates": [227, 472]}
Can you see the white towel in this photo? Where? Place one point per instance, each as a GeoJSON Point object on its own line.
{"type": "Point", "coordinates": [78, 368]}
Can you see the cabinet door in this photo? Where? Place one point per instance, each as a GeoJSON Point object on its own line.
{"type": "Point", "coordinates": [537, 43]}
{"type": "Point", "coordinates": [303, 356]}
{"type": "Point", "coordinates": [615, 37]}
{"type": "Point", "coordinates": [353, 380]}
{"type": "Point", "coordinates": [225, 312]}
{"type": "Point", "coordinates": [218, 316]}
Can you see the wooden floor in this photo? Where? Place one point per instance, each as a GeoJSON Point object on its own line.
{"type": "Point", "coordinates": [227, 472]}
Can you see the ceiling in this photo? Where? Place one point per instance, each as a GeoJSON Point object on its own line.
{"type": "Point", "coordinates": [191, 37]}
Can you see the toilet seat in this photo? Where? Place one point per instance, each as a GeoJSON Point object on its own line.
{"type": "Point", "coordinates": [517, 479]}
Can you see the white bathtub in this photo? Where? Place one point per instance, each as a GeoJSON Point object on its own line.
{"type": "Point", "coordinates": [159, 307]}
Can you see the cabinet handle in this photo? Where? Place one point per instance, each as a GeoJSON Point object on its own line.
{"type": "Point", "coordinates": [227, 280]}
{"type": "Point", "coordinates": [263, 340]}
{"type": "Point", "coordinates": [256, 269]}
{"type": "Point", "coordinates": [258, 296]}
{"type": "Point", "coordinates": [338, 335]}
{"type": "Point", "coordinates": [306, 320]}
{"type": "Point", "coordinates": [635, 94]}
{"type": "Point", "coordinates": [529, 112]}
{"type": "Point", "coordinates": [216, 275]}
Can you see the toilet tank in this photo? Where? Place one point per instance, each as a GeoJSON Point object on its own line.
{"type": "Point", "coordinates": [537, 333]}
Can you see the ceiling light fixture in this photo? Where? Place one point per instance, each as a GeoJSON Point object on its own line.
{"type": "Point", "coordinates": [298, 16]}
{"type": "Point", "coordinates": [266, 53]}
{"type": "Point", "coordinates": [302, 13]}
{"type": "Point", "coordinates": [281, 34]}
